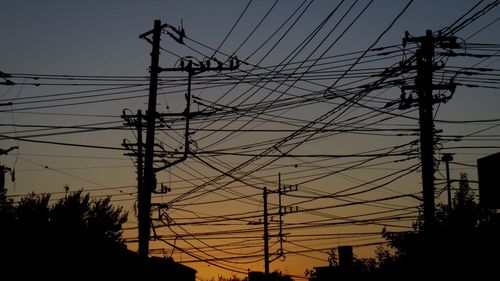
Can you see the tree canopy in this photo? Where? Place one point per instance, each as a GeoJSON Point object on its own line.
{"type": "Point", "coordinates": [463, 242]}
{"type": "Point", "coordinates": [75, 235]}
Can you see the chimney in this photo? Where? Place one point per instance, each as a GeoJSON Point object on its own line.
{"type": "Point", "coordinates": [345, 258]}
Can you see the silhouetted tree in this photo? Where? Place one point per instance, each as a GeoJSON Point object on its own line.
{"type": "Point", "coordinates": [464, 242]}
{"type": "Point", "coordinates": [74, 235]}
{"type": "Point", "coordinates": [6, 207]}
{"type": "Point", "coordinates": [458, 243]}
{"type": "Point", "coordinates": [333, 257]}
{"type": "Point", "coordinates": [362, 268]}
{"type": "Point", "coordinates": [232, 278]}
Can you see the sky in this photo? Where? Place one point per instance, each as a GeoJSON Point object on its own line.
{"type": "Point", "coordinates": [305, 106]}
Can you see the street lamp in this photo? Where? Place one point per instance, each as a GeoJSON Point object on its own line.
{"type": "Point", "coordinates": [447, 157]}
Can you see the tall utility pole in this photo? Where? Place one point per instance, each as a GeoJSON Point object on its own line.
{"type": "Point", "coordinates": [425, 68]}
{"type": "Point", "coordinates": [282, 210]}
{"type": "Point", "coordinates": [424, 89]}
{"type": "Point", "coordinates": [266, 235]}
{"type": "Point", "coordinates": [144, 193]}
{"type": "Point", "coordinates": [280, 216]}
{"type": "Point", "coordinates": [149, 181]}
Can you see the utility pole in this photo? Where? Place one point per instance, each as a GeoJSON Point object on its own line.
{"type": "Point", "coordinates": [144, 193]}
{"type": "Point", "coordinates": [149, 181]}
{"type": "Point", "coordinates": [282, 210]}
{"type": "Point", "coordinates": [280, 216]}
{"type": "Point", "coordinates": [266, 235]}
{"type": "Point", "coordinates": [192, 68]}
{"type": "Point", "coordinates": [425, 68]}
{"type": "Point", "coordinates": [148, 184]}
{"type": "Point", "coordinates": [447, 157]}
{"type": "Point", "coordinates": [424, 88]}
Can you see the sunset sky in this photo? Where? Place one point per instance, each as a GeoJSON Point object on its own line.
{"type": "Point", "coordinates": [312, 101]}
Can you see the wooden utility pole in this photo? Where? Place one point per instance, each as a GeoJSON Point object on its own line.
{"type": "Point", "coordinates": [266, 235]}
{"type": "Point", "coordinates": [280, 216]}
{"type": "Point", "coordinates": [144, 193]}
{"type": "Point", "coordinates": [424, 89]}
{"type": "Point", "coordinates": [425, 68]}
{"type": "Point", "coordinates": [148, 184]}
{"type": "Point", "coordinates": [282, 210]}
